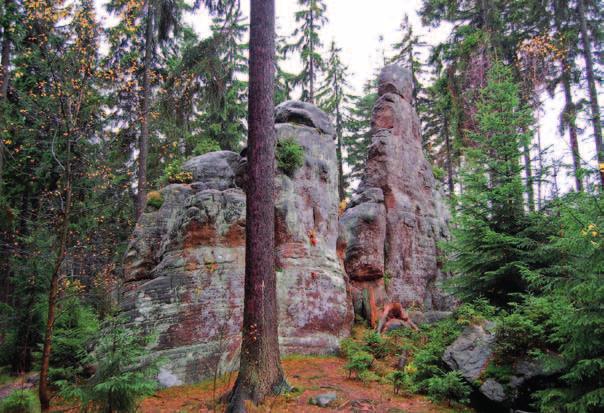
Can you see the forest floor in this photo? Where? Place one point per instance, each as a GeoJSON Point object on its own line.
{"type": "Point", "coordinates": [310, 376]}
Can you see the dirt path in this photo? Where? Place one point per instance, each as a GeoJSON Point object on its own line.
{"type": "Point", "coordinates": [311, 376]}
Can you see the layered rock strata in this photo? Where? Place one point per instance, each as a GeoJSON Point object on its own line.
{"type": "Point", "coordinates": [184, 268]}
{"type": "Point", "coordinates": [390, 229]}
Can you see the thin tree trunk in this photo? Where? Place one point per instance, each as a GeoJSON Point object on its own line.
{"type": "Point", "coordinates": [4, 73]}
{"type": "Point", "coordinates": [450, 182]}
{"type": "Point", "coordinates": [54, 285]}
{"type": "Point", "coordinates": [341, 181]}
{"type": "Point", "coordinates": [141, 197]}
{"type": "Point", "coordinates": [530, 191]}
{"type": "Point", "coordinates": [311, 62]}
{"type": "Point", "coordinates": [260, 372]}
{"type": "Point", "coordinates": [593, 93]}
{"type": "Point", "coordinates": [571, 119]}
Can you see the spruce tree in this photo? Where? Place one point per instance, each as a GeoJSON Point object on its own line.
{"type": "Point", "coordinates": [311, 17]}
{"type": "Point", "coordinates": [334, 98]}
{"type": "Point", "coordinates": [486, 250]}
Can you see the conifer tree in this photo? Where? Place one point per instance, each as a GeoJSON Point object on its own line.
{"type": "Point", "coordinates": [334, 98]}
{"type": "Point", "coordinates": [307, 42]}
{"type": "Point", "coordinates": [407, 52]}
{"type": "Point", "coordinates": [487, 246]}
{"type": "Point", "coordinates": [358, 130]}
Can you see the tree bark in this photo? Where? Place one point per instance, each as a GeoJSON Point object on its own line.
{"type": "Point", "coordinates": [141, 196]}
{"type": "Point", "coordinates": [341, 181]}
{"type": "Point", "coordinates": [570, 115]}
{"type": "Point", "coordinates": [450, 182]}
{"type": "Point", "coordinates": [54, 286]}
{"type": "Point", "coordinates": [593, 93]}
{"type": "Point", "coordinates": [260, 372]}
{"type": "Point", "coordinates": [4, 73]}
{"type": "Point", "coordinates": [311, 61]}
{"type": "Point", "coordinates": [528, 171]}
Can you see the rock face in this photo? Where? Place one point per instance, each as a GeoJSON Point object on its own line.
{"type": "Point", "coordinates": [184, 268]}
{"type": "Point", "coordinates": [390, 230]}
{"type": "Point", "coordinates": [472, 350]}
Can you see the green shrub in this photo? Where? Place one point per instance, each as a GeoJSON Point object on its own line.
{"type": "Point", "coordinates": [173, 174]}
{"type": "Point", "coordinates": [348, 346]}
{"type": "Point", "coordinates": [206, 145]}
{"type": "Point", "coordinates": [398, 379]}
{"type": "Point", "coordinates": [20, 401]}
{"type": "Point", "coordinates": [449, 386]}
{"type": "Point", "coordinates": [75, 330]}
{"type": "Point", "coordinates": [367, 376]}
{"type": "Point", "coordinates": [290, 156]}
{"type": "Point", "coordinates": [475, 312]}
{"type": "Point", "coordinates": [155, 199]}
{"type": "Point", "coordinates": [516, 334]}
{"type": "Point", "coordinates": [359, 362]}
{"type": "Point", "coordinates": [375, 344]}
{"type": "Point", "coordinates": [124, 373]}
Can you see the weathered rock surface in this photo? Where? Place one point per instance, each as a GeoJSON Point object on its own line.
{"type": "Point", "coordinates": [184, 268]}
{"type": "Point", "coordinates": [392, 225]}
{"type": "Point", "coordinates": [471, 351]}
{"type": "Point", "coordinates": [303, 113]}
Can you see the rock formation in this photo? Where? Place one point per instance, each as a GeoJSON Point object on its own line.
{"type": "Point", "coordinates": [184, 268]}
{"type": "Point", "coordinates": [389, 232]}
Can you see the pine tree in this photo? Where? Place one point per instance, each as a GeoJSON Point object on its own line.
{"type": "Point", "coordinates": [311, 17]}
{"type": "Point", "coordinates": [334, 99]}
{"type": "Point", "coordinates": [487, 247]}
{"type": "Point", "coordinates": [260, 372]}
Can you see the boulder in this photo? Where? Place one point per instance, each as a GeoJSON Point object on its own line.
{"type": "Point", "coordinates": [323, 400]}
{"type": "Point", "coordinates": [493, 390]}
{"type": "Point", "coordinates": [184, 267]}
{"type": "Point", "coordinates": [471, 351]}
{"type": "Point", "coordinates": [303, 113]}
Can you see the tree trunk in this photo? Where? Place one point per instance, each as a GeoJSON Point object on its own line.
{"type": "Point", "coordinates": [450, 182]}
{"type": "Point", "coordinates": [341, 181]}
{"type": "Point", "coordinates": [141, 197]}
{"type": "Point", "coordinates": [260, 372]}
{"type": "Point", "coordinates": [4, 73]}
{"type": "Point", "coordinates": [593, 93]}
{"type": "Point", "coordinates": [570, 115]}
{"type": "Point", "coordinates": [528, 171]}
{"type": "Point", "coordinates": [311, 62]}
{"type": "Point", "coordinates": [54, 285]}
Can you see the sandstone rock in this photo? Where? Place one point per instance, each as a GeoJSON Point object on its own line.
{"type": "Point", "coordinates": [184, 268]}
{"type": "Point", "coordinates": [429, 317]}
{"type": "Point", "coordinates": [214, 170]}
{"type": "Point", "coordinates": [394, 80]}
{"type": "Point", "coordinates": [303, 113]}
{"type": "Point", "coordinates": [395, 220]}
{"type": "Point", "coordinates": [471, 351]}
{"type": "Point", "coordinates": [323, 400]}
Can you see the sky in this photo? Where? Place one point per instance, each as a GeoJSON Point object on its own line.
{"type": "Point", "coordinates": [357, 27]}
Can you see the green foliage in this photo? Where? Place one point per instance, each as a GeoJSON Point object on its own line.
{"type": "Point", "coordinates": [490, 245]}
{"type": "Point", "coordinates": [449, 386]}
{"type": "Point", "coordinates": [124, 371]}
{"type": "Point", "coordinates": [20, 401]}
{"type": "Point", "coordinates": [204, 146]}
{"type": "Point", "coordinates": [155, 199]}
{"type": "Point", "coordinates": [515, 335]}
{"type": "Point", "coordinates": [173, 174]}
{"type": "Point", "coordinates": [290, 156]}
{"type": "Point", "coordinates": [75, 330]}
{"type": "Point", "coordinates": [358, 363]}
{"type": "Point", "coordinates": [375, 344]}
{"type": "Point", "coordinates": [398, 379]}
{"type": "Point", "coordinates": [311, 17]}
